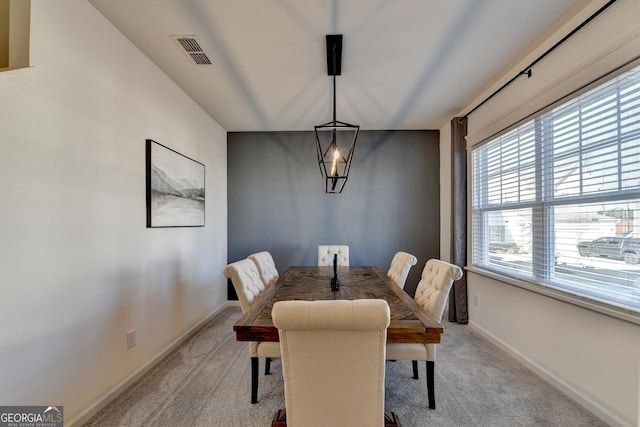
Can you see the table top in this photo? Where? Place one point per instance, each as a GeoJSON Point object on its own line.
{"type": "Point", "coordinates": [409, 322]}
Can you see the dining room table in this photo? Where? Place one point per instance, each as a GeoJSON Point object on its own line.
{"type": "Point", "coordinates": [409, 322]}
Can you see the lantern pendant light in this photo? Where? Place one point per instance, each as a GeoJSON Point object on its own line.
{"type": "Point", "coordinates": [335, 140]}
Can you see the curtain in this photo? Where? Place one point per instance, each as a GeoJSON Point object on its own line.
{"type": "Point", "coordinates": [458, 296]}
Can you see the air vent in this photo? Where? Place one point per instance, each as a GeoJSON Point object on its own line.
{"type": "Point", "coordinates": [192, 48]}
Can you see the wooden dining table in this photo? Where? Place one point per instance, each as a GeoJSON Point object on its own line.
{"type": "Point", "coordinates": [409, 322]}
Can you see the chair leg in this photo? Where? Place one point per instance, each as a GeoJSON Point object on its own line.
{"type": "Point", "coordinates": [430, 384]}
{"type": "Point", "coordinates": [415, 369]}
{"type": "Point", "coordinates": [254, 380]}
{"type": "Point", "coordinates": [267, 366]}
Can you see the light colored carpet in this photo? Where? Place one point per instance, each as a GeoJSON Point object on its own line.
{"type": "Point", "coordinates": [206, 382]}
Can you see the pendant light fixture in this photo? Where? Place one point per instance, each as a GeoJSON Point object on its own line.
{"type": "Point", "coordinates": [335, 140]}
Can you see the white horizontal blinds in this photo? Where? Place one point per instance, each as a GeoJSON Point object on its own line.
{"type": "Point", "coordinates": [504, 172]}
{"type": "Point", "coordinates": [601, 278]}
{"type": "Point", "coordinates": [594, 140]}
{"type": "Point", "coordinates": [508, 172]}
{"type": "Point", "coordinates": [630, 130]}
{"type": "Point", "coordinates": [568, 176]}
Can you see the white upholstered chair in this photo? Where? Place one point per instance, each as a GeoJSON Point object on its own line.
{"type": "Point", "coordinates": [266, 267]}
{"type": "Point", "coordinates": [333, 361]}
{"type": "Point", "coordinates": [326, 252]}
{"type": "Point", "coordinates": [246, 281]}
{"type": "Point", "coordinates": [400, 266]}
{"type": "Point", "coordinates": [431, 294]}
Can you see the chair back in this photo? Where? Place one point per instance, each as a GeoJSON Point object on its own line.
{"type": "Point", "coordinates": [400, 266]}
{"type": "Point", "coordinates": [333, 361]}
{"type": "Point", "coordinates": [246, 281]}
{"type": "Point", "coordinates": [434, 286]}
{"type": "Point", "coordinates": [266, 267]}
{"type": "Point", "coordinates": [326, 253]}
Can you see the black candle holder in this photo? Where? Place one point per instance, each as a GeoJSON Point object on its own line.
{"type": "Point", "coordinates": [335, 282]}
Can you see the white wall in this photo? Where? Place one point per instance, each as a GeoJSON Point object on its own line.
{"type": "Point", "coordinates": [78, 267]}
{"type": "Point", "coordinates": [595, 359]}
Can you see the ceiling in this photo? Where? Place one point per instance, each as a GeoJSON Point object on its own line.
{"type": "Point", "coordinates": [406, 64]}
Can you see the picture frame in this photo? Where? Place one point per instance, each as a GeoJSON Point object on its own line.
{"type": "Point", "coordinates": [175, 188]}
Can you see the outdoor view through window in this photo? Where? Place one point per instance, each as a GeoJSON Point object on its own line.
{"type": "Point", "coordinates": [556, 201]}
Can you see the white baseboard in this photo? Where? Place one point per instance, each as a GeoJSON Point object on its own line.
{"type": "Point", "coordinates": [108, 397]}
{"type": "Point", "coordinates": [576, 395]}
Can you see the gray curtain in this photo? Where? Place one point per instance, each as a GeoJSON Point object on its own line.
{"type": "Point", "coordinates": [458, 296]}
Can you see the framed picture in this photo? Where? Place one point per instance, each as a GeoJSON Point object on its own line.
{"type": "Point", "coordinates": [175, 188]}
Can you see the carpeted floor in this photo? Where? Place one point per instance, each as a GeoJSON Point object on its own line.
{"type": "Point", "coordinates": [206, 381]}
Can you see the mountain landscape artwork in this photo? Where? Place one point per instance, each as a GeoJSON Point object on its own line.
{"type": "Point", "coordinates": [175, 188]}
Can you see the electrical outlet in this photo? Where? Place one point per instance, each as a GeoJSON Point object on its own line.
{"type": "Point", "coordinates": [131, 338]}
{"type": "Point", "coordinates": [476, 301]}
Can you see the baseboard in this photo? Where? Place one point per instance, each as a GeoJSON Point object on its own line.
{"type": "Point", "coordinates": [574, 394]}
{"type": "Point", "coordinates": [108, 397]}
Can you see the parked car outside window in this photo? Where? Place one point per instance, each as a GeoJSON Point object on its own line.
{"type": "Point", "coordinates": [621, 248]}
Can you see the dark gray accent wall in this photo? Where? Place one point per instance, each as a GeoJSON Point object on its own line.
{"type": "Point", "coordinates": [277, 203]}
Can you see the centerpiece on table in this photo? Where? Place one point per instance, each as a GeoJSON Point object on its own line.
{"type": "Point", "coordinates": [335, 282]}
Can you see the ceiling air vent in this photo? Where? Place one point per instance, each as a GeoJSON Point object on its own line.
{"type": "Point", "coordinates": [192, 48]}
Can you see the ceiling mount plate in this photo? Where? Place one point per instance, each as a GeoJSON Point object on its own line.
{"type": "Point", "coordinates": [334, 45]}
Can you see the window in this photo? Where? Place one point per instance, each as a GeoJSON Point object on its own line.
{"type": "Point", "coordinates": [556, 201]}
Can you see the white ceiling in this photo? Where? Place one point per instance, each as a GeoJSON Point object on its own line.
{"type": "Point", "coordinates": [406, 64]}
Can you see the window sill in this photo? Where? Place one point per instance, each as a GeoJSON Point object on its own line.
{"type": "Point", "coordinates": [602, 307]}
{"type": "Point", "coordinates": [15, 79]}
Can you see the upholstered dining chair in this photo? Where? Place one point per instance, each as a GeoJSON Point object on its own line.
{"type": "Point", "coordinates": [326, 253]}
{"type": "Point", "coordinates": [266, 267]}
{"type": "Point", "coordinates": [400, 266]}
{"type": "Point", "coordinates": [333, 361]}
{"type": "Point", "coordinates": [431, 294]}
{"type": "Point", "coordinates": [246, 281]}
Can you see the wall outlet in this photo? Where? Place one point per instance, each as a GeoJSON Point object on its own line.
{"type": "Point", "coordinates": [131, 338]}
{"type": "Point", "coordinates": [476, 301]}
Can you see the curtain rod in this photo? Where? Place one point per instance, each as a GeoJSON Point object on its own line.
{"type": "Point", "coordinates": [527, 70]}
